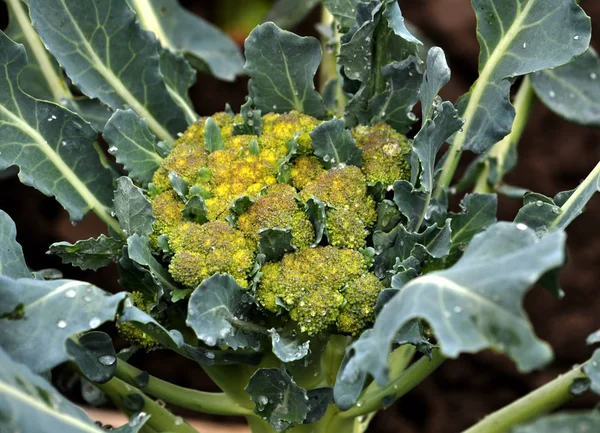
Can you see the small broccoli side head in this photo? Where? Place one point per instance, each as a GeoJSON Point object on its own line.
{"type": "Point", "coordinates": [237, 185]}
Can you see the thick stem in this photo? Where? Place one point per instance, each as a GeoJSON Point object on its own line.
{"type": "Point", "coordinates": [395, 388]}
{"type": "Point", "coordinates": [539, 402]}
{"type": "Point", "coordinates": [329, 68]}
{"type": "Point", "coordinates": [207, 402]}
{"type": "Point", "coordinates": [523, 104]}
{"type": "Point", "coordinates": [160, 418]}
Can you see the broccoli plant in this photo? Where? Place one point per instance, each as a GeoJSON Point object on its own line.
{"type": "Point", "coordinates": [303, 251]}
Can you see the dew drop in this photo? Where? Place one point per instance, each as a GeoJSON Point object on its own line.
{"type": "Point", "coordinates": [178, 421]}
{"type": "Point", "coordinates": [87, 299]}
{"type": "Point", "coordinates": [539, 203]}
{"type": "Point", "coordinates": [61, 324]}
{"type": "Point", "coordinates": [524, 45]}
{"type": "Point", "coordinates": [412, 117]}
{"type": "Point", "coordinates": [94, 322]}
{"type": "Point", "coordinates": [70, 293]}
{"type": "Point", "coordinates": [576, 37]}
{"type": "Point", "coordinates": [160, 403]}
{"type": "Point", "coordinates": [274, 107]}
{"type": "Point", "coordinates": [593, 76]}
{"type": "Point", "coordinates": [64, 143]}
{"type": "Point", "coordinates": [457, 309]}
{"type": "Point", "coordinates": [112, 149]}
{"type": "Point", "coordinates": [552, 94]}
{"type": "Point", "coordinates": [107, 360]}
{"type": "Point", "coordinates": [136, 419]}
{"type": "Point", "coordinates": [210, 355]}
{"type": "Point", "coordinates": [556, 210]}
{"type": "Point", "coordinates": [262, 400]}
{"type": "Point", "coordinates": [359, 404]}
{"type": "Point", "coordinates": [521, 226]}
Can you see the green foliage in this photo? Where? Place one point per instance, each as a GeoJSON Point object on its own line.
{"type": "Point", "coordinates": [90, 253]}
{"type": "Point", "coordinates": [12, 262]}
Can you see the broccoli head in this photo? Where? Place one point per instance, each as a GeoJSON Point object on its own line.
{"type": "Point", "coordinates": [136, 336]}
{"type": "Point", "coordinates": [251, 183]}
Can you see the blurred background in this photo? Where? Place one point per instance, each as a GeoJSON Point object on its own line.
{"type": "Point", "coordinates": [553, 156]}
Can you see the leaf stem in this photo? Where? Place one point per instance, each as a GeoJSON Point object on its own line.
{"type": "Point", "coordinates": [374, 397]}
{"type": "Point", "coordinates": [524, 101]}
{"type": "Point", "coordinates": [200, 401]}
{"type": "Point", "coordinates": [539, 402]}
{"type": "Point", "coordinates": [160, 418]}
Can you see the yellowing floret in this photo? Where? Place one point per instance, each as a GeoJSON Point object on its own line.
{"type": "Point", "coordinates": [210, 248]}
{"type": "Point", "coordinates": [305, 169]}
{"type": "Point", "coordinates": [384, 153]}
{"type": "Point", "coordinates": [134, 335]}
{"type": "Point", "coordinates": [278, 208]}
{"type": "Point", "coordinates": [359, 310]}
{"type": "Point", "coordinates": [284, 127]}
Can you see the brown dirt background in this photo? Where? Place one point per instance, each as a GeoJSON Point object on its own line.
{"type": "Point", "coordinates": [553, 156]}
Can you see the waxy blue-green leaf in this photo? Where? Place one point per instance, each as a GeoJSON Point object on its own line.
{"type": "Point", "coordinates": [592, 368]}
{"type": "Point", "coordinates": [344, 12]}
{"type": "Point", "coordinates": [203, 44]}
{"type": "Point", "coordinates": [12, 261]}
{"type": "Point", "coordinates": [412, 202]}
{"type": "Point", "coordinates": [288, 349]}
{"type": "Point", "coordinates": [252, 120]}
{"type": "Point", "coordinates": [212, 136]}
{"type": "Point", "coordinates": [572, 90]}
{"type": "Point", "coordinates": [573, 422]}
{"type": "Point", "coordinates": [179, 77]}
{"type": "Point", "coordinates": [347, 389]}
{"type": "Point", "coordinates": [287, 13]}
{"type": "Point", "coordinates": [436, 76]}
{"type": "Point", "coordinates": [108, 56]}
{"type": "Point", "coordinates": [394, 105]}
{"type": "Point", "coordinates": [29, 403]}
{"type": "Point", "coordinates": [473, 305]}
{"type": "Point", "coordinates": [316, 213]}
{"type": "Point", "coordinates": [195, 210]}
{"type": "Point", "coordinates": [319, 400]}
{"type": "Point", "coordinates": [516, 38]}
{"type": "Point", "coordinates": [216, 313]}
{"type": "Point", "coordinates": [278, 398]}
{"type": "Point", "coordinates": [138, 250]}
{"type": "Point", "coordinates": [133, 145]}
{"type": "Point", "coordinates": [89, 253]}
{"type": "Point", "coordinates": [49, 312]}
{"type": "Point", "coordinates": [478, 213]}
{"type": "Point", "coordinates": [132, 208]}
{"type": "Point", "coordinates": [274, 243]}
{"type": "Point", "coordinates": [281, 66]}
{"type": "Point", "coordinates": [94, 354]}
{"type": "Point", "coordinates": [53, 147]}
{"type": "Point", "coordinates": [334, 144]}
{"type": "Point", "coordinates": [91, 110]}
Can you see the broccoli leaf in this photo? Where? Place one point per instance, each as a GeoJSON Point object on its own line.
{"type": "Point", "coordinates": [30, 403]}
{"type": "Point", "coordinates": [592, 368]}
{"type": "Point", "coordinates": [109, 59]}
{"type": "Point", "coordinates": [204, 45]}
{"type": "Point", "coordinates": [216, 313]}
{"type": "Point", "coordinates": [138, 250]}
{"type": "Point", "coordinates": [334, 144]}
{"type": "Point", "coordinates": [344, 12]}
{"type": "Point", "coordinates": [12, 261]}
{"type": "Point", "coordinates": [53, 147]}
{"type": "Point", "coordinates": [195, 210]}
{"type": "Point", "coordinates": [473, 305]}
{"type": "Point", "coordinates": [412, 202]}
{"type": "Point", "coordinates": [179, 77]}
{"type": "Point", "coordinates": [278, 398]}
{"type": "Point", "coordinates": [288, 13]}
{"type": "Point", "coordinates": [347, 387]}
{"type": "Point", "coordinates": [274, 243]}
{"type": "Point", "coordinates": [252, 120]}
{"type": "Point", "coordinates": [572, 90]}
{"type": "Point", "coordinates": [319, 400]}
{"type": "Point", "coordinates": [133, 145]}
{"type": "Point", "coordinates": [49, 313]}
{"type": "Point", "coordinates": [132, 208]}
{"type": "Point", "coordinates": [212, 136]}
{"type": "Point", "coordinates": [136, 278]}
{"type": "Point", "coordinates": [281, 66]}
{"type": "Point", "coordinates": [436, 76]}
{"type": "Point", "coordinates": [479, 212]}
{"type": "Point", "coordinates": [315, 211]}
{"type": "Point", "coordinates": [90, 253]}
{"type": "Point", "coordinates": [575, 422]}
{"type": "Point", "coordinates": [509, 36]}
{"type": "Point", "coordinates": [288, 349]}
{"type": "Point", "coordinates": [94, 355]}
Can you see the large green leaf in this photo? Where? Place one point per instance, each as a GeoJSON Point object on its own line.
{"type": "Point", "coordinates": [216, 313]}
{"type": "Point", "coordinates": [53, 147]}
{"type": "Point", "coordinates": [278, 398]}
{"type": "Point", "coordinates": [344, 12]}
{"type": "Point", "coordinates": [89, 253]}
{"type": "Point", "coordinates": [28, 403]}
{"type": "Point", "coordinates": [102, 48]}
{"type": "Point", "coordinates": [573, 90]}
{"type": "Point", "coordinates": [575, 422]}
{"type": "Point", "coordinates": [133, 145]}
{"type": "Point", "coordinates": [206, 46]}
{"type": "Point", "coordinates": [473, 305]}
{"type": "Point", "coordinates": [43, 314]}
{"type": "Point", "coordinates": [516, 38]}
{"type": "Point", "coordinates": [281, 66]}
{"type": "Point", "coordinates": [12, 261]}
{"type": "Point", "coordinates": [132, 208]}
{"type": "Point", "coordinates": [334, 144]}
{"type": "Point", "coordinates": [479, 212]}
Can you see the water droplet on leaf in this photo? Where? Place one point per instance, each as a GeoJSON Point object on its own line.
{"type": "Point", "coordinates": [61, 324]}
{"type": "Point", "coordinates": [107, 360]}
{"type": "Point", "coordinates": [94, 322]}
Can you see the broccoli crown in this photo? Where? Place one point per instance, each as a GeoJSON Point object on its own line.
{"type": "Point", "coordinates": [249, 183]}
{"type": "Point", "coordinates": [136, 336]}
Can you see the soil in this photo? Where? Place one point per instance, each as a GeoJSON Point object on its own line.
{"type": "Point", "coordinates": [553, 156]}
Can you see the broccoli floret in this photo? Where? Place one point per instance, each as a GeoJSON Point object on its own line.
{"type": "Point", "coordinates": [305, 169]}
{"type": "Point", "coordinates": [345, 190]}
{"type": "Point", "coordinates": [359, 310]}
{"type": "Point", "coordinates": [210, 248]}
{"type": "Point", "coordinates": [384, 151]}
{"type": "Point", "coordinates": [185, 160]}
{"type": "Point", "coordinates": [283, 127]}
{"type": "Point", "coordinates": [278, 208]}
{"type": "Point", "coordinates": [312, 283]}
{"type": "Point", "coordinates": [194, 134]}
{"type": "Point", "coordinates": [134, 335]}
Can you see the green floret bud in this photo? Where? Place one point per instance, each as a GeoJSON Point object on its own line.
{"type": "Point", "coordinates": [166, 208]}
{"type": "Point", "coordinates": [384, 153]}
{"type": "Point", "coordinates": [359, 310]}
{"type": "Point", "coordinates": [312, 283]}
{"type": "Point", "coordinates": [278, 208]}
{"type": "Point", "coordinates": [134, 335]}
{"type": "Point", "coordinates": [305, 169]}
{"type": "Point", "coordinates": [345, 190]}
{"type": "Point", "coordinates": [194, 134]}
{"type": "Point", "coordinates": [186, 161]}
{"type": "Point", "coordinates": [284, 127]}
{"type": "Point", "coordinates": [210, 248]}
